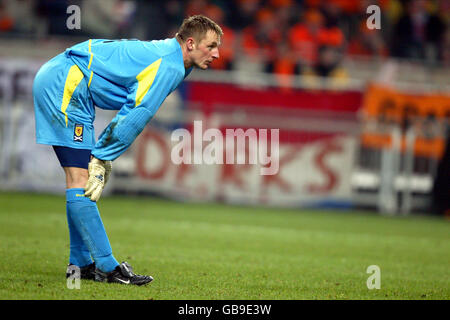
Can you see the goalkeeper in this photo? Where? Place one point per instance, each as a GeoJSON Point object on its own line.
{"type": "Point", "coordinates": [131, 76]}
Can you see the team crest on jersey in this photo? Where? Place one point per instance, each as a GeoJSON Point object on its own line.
{"type": "Point", "coordinates": [78, 133]}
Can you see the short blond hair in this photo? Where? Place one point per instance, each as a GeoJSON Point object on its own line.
{"type": "Point", "coordinates": [197, 26]}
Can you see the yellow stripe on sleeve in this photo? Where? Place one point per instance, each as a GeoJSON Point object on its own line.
{"type": "Point", "coordinates": [73, 79]}
{"type": "Point", "coordinates": [145, 80]}
{"type": "Point", "coordinates": [92, 55]}
{"type": "Point", "coordinates": [90, 78]}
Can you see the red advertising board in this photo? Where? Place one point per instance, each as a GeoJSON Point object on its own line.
{"type": "Point", "coordinates": [315, 155]}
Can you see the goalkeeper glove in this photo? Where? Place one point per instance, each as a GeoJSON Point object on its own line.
{"type": "Point", "coordinates": [99, 172]}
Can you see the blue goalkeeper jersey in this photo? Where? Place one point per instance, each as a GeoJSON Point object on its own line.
{"type": "Point", "coordinates": [131, 76]}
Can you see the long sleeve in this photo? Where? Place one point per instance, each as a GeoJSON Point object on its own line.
{"type": "Point", "coordinates": [153, 85]}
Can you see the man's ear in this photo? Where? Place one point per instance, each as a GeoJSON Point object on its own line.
{"type": "Point", "coordinates": [190, 43]}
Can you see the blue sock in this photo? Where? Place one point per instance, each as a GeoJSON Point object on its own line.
{"type": "Point", "coordinates": [85, 217]}
{"type": "Point", "coordinates": [79, 253]}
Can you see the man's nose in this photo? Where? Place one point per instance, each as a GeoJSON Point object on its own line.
{"type": "Point", "coordinates": [215, 54]}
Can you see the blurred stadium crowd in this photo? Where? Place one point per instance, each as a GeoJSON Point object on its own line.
{"type": "Point", "coordinates": [284, 36]}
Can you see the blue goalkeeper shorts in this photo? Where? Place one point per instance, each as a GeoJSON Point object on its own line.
{"type": "Point", "coordinates": [64, 111]}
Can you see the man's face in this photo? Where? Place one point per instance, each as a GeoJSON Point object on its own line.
{"type": "Point", "coordinates": [204, 52]}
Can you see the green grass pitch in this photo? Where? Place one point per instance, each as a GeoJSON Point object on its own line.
{"type": "Point", "coordinates": [213, 251]}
